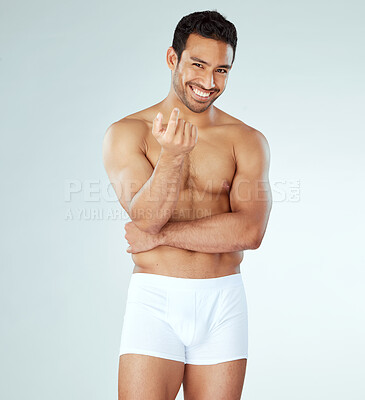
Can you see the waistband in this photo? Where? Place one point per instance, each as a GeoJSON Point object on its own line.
{"type": "Point", "coordinates": [172, 282]}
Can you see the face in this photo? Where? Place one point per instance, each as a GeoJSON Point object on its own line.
{"type": "Point", "coordinates": [202, 73]}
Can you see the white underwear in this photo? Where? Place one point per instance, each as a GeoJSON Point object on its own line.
{"type": "Point", "coordinates": [195, 321]}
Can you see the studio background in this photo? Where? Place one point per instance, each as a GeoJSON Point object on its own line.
{"type": "Point", "coordinates": [70, 69]}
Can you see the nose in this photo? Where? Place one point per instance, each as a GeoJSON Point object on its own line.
{"type": "Point", "coordinates": [208, 80]}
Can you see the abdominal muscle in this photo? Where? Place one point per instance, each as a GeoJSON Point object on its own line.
{"type": "Point", "coordinates": [181, 263]}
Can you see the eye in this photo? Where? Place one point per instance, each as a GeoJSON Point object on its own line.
{"type": "Point", "coordinates": [196, 64]}
{"type": "Point", "coordinates": [220, 69]}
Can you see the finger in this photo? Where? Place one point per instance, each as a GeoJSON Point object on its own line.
{"type": "Point", "coordinates": [172, 124]}
{"type": "Point", "coordinates": [195, 134]}
{"type": "Point", "coordinates": [187, 133]}
{"type": "Point", "coordinates": [157, 124]}
{"type": "Point", "coordinates": [180, 129]}
{"type": "Point", "coordinates": [175, 114]}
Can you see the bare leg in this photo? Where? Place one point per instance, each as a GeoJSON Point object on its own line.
{"type": "Point", "coordinates": [144, 377]}
{"type": "Point", "coordinates": [214, 382]}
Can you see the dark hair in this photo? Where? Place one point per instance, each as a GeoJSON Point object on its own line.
{"type": "Point", "coordinates": [209, 24]}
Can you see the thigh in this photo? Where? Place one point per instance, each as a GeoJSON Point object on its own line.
{"type": "Point", "coordinates": [144, 377]}
{"type": "Point", "coordinates": [214, 382]}
{"type": "Point", "coordinates": [145, 329]}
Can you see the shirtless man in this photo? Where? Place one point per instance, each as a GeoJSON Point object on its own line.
{"type": "Point", "coordinates": [194, 181]}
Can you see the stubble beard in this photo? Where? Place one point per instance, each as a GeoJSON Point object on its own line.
{"type": "Point", "coordinates": [182, 95]}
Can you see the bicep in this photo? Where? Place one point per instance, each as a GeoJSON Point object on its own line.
{"type": "Point", "coordinates": [250, 191]}
{"type": "Point", "coordinates": [127, 167]}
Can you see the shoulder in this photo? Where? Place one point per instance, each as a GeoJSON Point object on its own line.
{"type": "Point", "coordinates": [243, 135]}
{"type": "Point", "coordinates": [251, 149]}
{"type": "Point", "coordinates": [130, 130]}
{"type": "Point", "coordinates": [249, 140]}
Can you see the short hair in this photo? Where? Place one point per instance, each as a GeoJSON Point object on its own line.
{"type": "Point", "coordinates": [209, 24]}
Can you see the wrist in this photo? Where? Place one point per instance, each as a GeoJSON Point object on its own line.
{"type": "Point", "coordinates": [159, 238]}
{"type": "Point", "coordinates": [171, 158]}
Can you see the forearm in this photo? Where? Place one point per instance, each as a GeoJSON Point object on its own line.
{"type": "Point", "coordinates": [221, 233]}
{"type": "Point", "coordinates": [154, 203]}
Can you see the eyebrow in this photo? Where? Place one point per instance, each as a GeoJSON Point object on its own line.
{"type": "Point", "coordinates": [204, 62]}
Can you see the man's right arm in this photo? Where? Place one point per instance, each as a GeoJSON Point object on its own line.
{"type": "Point", "coordinates": [148, 195]}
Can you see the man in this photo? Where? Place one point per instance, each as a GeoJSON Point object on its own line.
{"type": "Point", "coordinates": [194, 181]}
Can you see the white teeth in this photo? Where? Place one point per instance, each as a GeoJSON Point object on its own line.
{"type": "Point", "coordinates": [199, 93]}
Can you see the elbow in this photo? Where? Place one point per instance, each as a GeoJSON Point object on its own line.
{"type": "Point", "coordinates": [154, 230]}
{"type": "Point", "coordinates": [145, 221]}
{"type": "Point", "coordinates": [253, 241]}
{"type": "Point", "coordinates": [257, 237]}
{"type": "Point", "coordinates": [148, 226]}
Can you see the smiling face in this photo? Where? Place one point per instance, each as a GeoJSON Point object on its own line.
{"type": "Point", "coordinates": [202, 73]}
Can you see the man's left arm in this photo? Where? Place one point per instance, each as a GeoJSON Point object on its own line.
{"type": "Point", "coordinates": [250, 200]}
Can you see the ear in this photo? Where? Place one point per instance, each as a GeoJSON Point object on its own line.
{"type": "Point", "coordinates": [171, 58]}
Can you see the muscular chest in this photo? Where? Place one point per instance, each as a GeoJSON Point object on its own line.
{"type": "Point", "coordinates": [208, 168]}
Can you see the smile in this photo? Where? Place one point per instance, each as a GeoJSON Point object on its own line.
{"type": "Point", "coordinates": [199, 94]}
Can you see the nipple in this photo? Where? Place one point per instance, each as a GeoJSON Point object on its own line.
{"type": "Point", "coordinates": [225, 185]}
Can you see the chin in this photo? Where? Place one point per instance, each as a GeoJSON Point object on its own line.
{"type": "Point", "coordinates": [199, 110]}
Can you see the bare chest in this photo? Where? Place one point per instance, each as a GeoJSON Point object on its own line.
{"type": "Point", "coordinates": [208, 168]}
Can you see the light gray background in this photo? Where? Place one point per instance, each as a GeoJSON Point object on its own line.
{"type": "Point", "coordinates": [70, 69]}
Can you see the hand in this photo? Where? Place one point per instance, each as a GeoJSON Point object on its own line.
{"type": "Point", "coordinates": [180, 137]}
{"type": "Point", "coordinates": [138, 240]}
